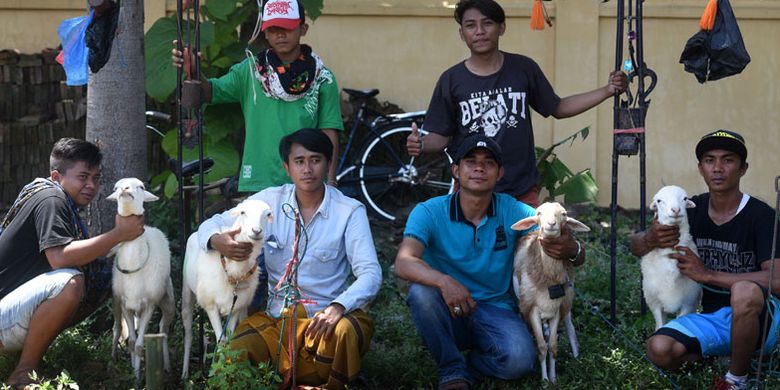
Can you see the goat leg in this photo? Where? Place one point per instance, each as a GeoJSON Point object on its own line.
{"type": "Point", "coordinates": [146, 316]}
{"type": "Point", "coordinates": [572, 333]}
{"type": "Point", "coordinates": [186, 319]}
{"type": "Point", "coordinates": [541, 343]}
{"type": "Point", "coordinates": [168, 309]}
{"type": "Point", "coordinates": [658, 315]}
{"type": "Point", "coordinates": [216, 323]}
{"type": "Point", "coordinates": [552, 343]}
{"type": "Point", "coordinates": [116, 308]}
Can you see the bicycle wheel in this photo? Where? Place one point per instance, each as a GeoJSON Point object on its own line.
{"type": "Point", "coordinates": [391, 181]}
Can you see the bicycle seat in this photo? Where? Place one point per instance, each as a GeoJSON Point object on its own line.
{"type": "Point", "coordinates": [361, 93]}
{"type": "Point", "coordinates": [191, 168]}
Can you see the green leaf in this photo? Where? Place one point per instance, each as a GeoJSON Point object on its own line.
{"type": "Point", "coordinates": [235, 52]}
{"type": "Point", "coordinates": [171, 185]}
{"type": "Point", "coordinates": [160, 75]}
{"type": "Point", "coordinates": [559, 170]}
{"type": "Point", "coordinates": [160, 179]}
{"type": "Point", "coordinates": [578, 189]}
{"type": "Point", "coordinates": [313, 8]}
{"type": "Point", "coordinates": [220, 9]}
{"type": "Point", "coordinates": [222, 152]}
{"type": "Point", "coordinates": [223, 120]}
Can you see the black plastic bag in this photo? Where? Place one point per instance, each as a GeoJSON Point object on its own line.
{"type": "Point", "coordinates": [713, 55]}
{"type": "Point", "coordinates": [100, 36]}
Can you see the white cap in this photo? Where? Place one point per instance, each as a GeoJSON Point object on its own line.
{"type": "Point", "coordinates": [281, 13]}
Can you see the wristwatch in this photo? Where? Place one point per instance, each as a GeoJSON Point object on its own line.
{"type": "Point", "coordinates": [573, 259]}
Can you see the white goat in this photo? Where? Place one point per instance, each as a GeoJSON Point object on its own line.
{"type": "Point", "coordinates": [545, 291]}
{"type": "Point", "coordinates": [141, 276]}
{"type": "Point", "coordinates": [666, 289]}
{"type": "Point", "coordinates": [214, 279]}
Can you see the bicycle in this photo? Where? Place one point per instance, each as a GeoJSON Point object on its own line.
{"type": "Point", "coordinates": [390, 180]}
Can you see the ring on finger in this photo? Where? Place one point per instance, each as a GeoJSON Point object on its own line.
{"type": "Point", "coordinates": [456, 310]}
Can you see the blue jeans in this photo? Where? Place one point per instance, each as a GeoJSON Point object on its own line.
{"type": "Point", "coordinates": [498, 340]}
{"type": "Point", "coordinates": [261, 294]}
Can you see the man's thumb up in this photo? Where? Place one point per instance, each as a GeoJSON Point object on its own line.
{"type": "Point", "coordinates": [414, 142]}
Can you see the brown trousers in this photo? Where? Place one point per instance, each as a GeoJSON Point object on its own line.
{"type": "Point", "coordinates": [328, 363]}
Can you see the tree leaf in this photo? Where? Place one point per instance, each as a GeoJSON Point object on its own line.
{"type": "Point", "coordinates": [313, 8]}
{"type": "Point", "coordinates": [171, 185]}
{"type": "Point", "coordinates": [223, 120]}
{"type": "Point", "coordinates": [222, 152]}
{"type": "Point", "coordinates": [159, 179]}
{"type": "Point", "coordinates": [578, 189]}
{"type": "Point", "coordinates": [220, 9]}
{"type": "Point", "coordinates": [160, 74]}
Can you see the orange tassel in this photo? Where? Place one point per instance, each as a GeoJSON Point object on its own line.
{"type": "Point", "coordinates": [707, 21]}
{"type": "Point", "coordinates": [537, 16]}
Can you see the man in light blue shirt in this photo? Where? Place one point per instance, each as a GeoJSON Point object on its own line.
{"type": "Point", "coordinates": [458, 253]}
{"type": "Point", "coordinates": [333, 330]}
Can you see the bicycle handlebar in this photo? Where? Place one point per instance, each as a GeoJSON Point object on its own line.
{"type": "Point", "coordinates": [158, 115]}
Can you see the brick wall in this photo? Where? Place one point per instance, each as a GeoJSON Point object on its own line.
{"type": "Point", "coordinates": [36, 109]}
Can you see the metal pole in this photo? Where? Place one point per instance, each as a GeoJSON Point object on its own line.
{"type": "Point", "coordinates": [641, 69]}
{"type": "Point", "coordinates": [613, 203]}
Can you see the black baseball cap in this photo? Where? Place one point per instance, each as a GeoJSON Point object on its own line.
{"type": "Point", "coordinates": [478, 141]}
{"type": "Point", "coordinates": [723, 140]}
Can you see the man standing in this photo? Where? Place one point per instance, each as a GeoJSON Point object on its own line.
{"type": "Point", "coordinates": [43, 245]}
{"type": "Point", "coordinates": [491, 93]}
{"type": "Point", "coordinates": [458, 253]}
{"type": "Point", "coordinates": [282, 89]}
{"type": "Point", "coordinates": [333, 330]}
{"type": "Point", "coordinates": [733, 233]}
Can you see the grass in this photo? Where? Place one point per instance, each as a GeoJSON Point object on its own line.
{"type": "Point", "coordinates": [610, 357]}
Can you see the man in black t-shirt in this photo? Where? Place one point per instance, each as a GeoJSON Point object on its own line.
{"type": "Point", "coordinates": [43, 243]}
{"type": "Point", "coordinates": [492, 93]}
{"type": "Point", "coordinates": [733, 233]}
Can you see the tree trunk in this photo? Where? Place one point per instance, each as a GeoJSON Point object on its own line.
{"type": "Point", "coordinates": [115, 113]}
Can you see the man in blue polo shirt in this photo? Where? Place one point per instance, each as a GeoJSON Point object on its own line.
{"type": "Point", "coordinates": [458, 252]}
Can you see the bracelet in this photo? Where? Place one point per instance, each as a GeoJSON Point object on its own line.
{"type": "Point", "coordinates": [579, 250]}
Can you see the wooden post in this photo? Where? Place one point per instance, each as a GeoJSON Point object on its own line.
{"type": "Point", "coordinates": [154, 360]}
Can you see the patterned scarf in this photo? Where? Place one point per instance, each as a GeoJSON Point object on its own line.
{"type": "Point", "coordinates": [300, 79]}
{"type": "Point", "coordinates": [97, 273]}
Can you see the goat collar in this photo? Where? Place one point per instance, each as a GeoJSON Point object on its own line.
{"type": "Point", "coordinates": [132, 271]}
{"type": "Point", "coordinates": [232, 280]}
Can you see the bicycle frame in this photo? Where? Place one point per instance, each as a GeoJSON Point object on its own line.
{"type": "Point", "coordinates": [372, 126]}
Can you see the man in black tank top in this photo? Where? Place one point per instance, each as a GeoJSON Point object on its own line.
{"type": "Point", "coordinates": [492, 93]}
{"type": "Point", "coordinates": [733, 233]}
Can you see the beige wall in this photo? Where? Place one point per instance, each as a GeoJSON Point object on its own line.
{"type": "Point", "coordinates": [401, 47]}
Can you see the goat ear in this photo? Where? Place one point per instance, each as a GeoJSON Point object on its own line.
{"type": "Point", "coordinates": [150, 197]}
{"type": "Point", "coordinates": [525, 223]}
{"type": "Point", "coordinates": [114, 196]}
{"type": "Point", "coordinates": [689, 204]}
{"type": "Point", "coordinates": [576, 225]}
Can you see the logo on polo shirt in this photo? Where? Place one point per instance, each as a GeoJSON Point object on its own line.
{"type": "Point", "coordinates": [500, 238]}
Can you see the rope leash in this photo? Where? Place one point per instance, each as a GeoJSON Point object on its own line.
{"type": "Point", "coordinates": [293, 296]}
{"type": "Point", "coordinates": [132, 271]}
